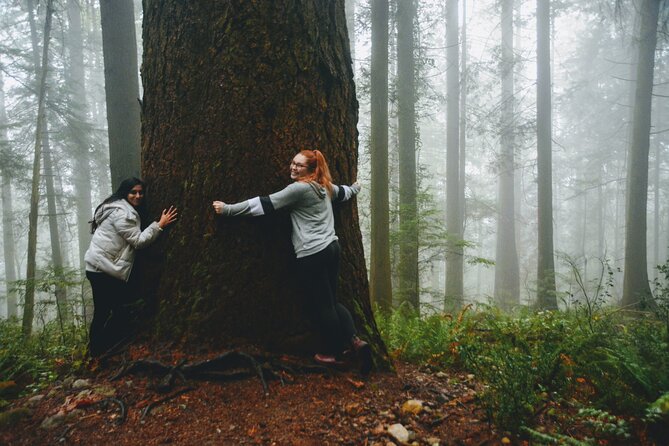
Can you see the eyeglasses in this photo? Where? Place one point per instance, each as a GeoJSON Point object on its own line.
{"type": "Point", "coordinates": [299, 166]}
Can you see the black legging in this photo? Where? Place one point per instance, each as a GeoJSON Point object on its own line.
{"type": "Point", "coordinates": [318, 275]}
{"type": "Point", "coordinates": [111, 317]}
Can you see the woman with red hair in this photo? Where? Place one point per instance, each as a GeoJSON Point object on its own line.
{"type": "Point", "coordinates": [309, 200]}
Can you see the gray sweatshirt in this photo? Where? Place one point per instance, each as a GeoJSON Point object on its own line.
{"type": "Point", "coordinates": [310, 212]}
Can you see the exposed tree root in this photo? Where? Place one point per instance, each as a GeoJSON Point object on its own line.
{"type": "Point", "coordinates": [156, 403]}
{"type": "Point", "coordinates": [230, 365]}
{"type": "Point", "coordinates": [121, 406]}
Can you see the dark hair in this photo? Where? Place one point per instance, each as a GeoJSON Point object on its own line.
{"type": "Point", "coordinates": [121, 194]}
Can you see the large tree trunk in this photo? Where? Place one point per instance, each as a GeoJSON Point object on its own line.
{"type": "Point", "coordinates": [406, 129]}
{"type": "Point", "coordinates": [232, 92]}
{"type": "Point", "coordinates": [379, 275]}
{"type": "Point", "coordinates": [29, 298]}
{"type": "Point", "coordinates": [77, 90]}
{"type": "Point", "coordinates": [635, 280]}
{"type": "Point", "coordinates": [546, 294]}
{"type": "Point", "coordinates": [119, 44]}
{"type": "Point", "coordinates": [507, 275]}
{"type": "Point", "coordinates": [8, 242]}
{"type": "Point", "coordinates": [454, 252]}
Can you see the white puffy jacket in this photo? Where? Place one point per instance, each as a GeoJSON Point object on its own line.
{"type": "Point", "coordinates": [118, 235]}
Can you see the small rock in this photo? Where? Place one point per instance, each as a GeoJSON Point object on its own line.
{"type": "Point", "coordinates": [13, 416]}
{"type": "Point", "coordinates": [441, 375]}
{"type": "Point", "coordinates": [53, 421]}
{"type": "Point", "coordinates": [81, 384]}
{"type": "Point", "coordinates": [33, 401]}
{"type": "Point", "coordinates": [432, 441]}
{"type": "Point", "coordinates": [412, 406]}
{"type": "Point", "coordinates": [400, 433]}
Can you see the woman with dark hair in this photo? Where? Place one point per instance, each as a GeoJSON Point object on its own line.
{"type": "Point", "coordinates": [117, 233]}
{"type": "Point", "coordinates": [309, 200]}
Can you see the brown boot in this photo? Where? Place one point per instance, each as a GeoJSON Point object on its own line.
{"type": "Point", "coordinates": [364, 353]}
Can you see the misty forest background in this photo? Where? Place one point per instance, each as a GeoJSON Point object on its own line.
{"type": "Point", "coordinates": [514, 158]}
{"type": "Point", "coordinates": [521, 121]}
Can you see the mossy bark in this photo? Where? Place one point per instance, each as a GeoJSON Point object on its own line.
{"type": "Point", "coordinates": [232, 91]}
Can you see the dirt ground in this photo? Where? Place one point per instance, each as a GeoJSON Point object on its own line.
{"type": "Point", "coordinates": [313, 407]}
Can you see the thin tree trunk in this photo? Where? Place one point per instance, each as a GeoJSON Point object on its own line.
{"type": "Point", "coordinates": [546, 293]}
{"type": "Point", "coordinates": [350, 26]}
{"type": "Point", "coordinates": [119, 45]}
{"type": "Point", "coordinates": [636, 290]}
{"type": "Point", "coordinates": [454, 251]}
{"type": "Point", "coordinates": [8, 242]}
{"type": "Point", "coordinates": [380, 279]}
{"type": "Point", "coordinates": [29, 301]}
{"type": "Point", "coordinates": [406, 98]}
{"type": "Point", "coordinates": [56, 253]}
{"type": "Point", "coordinates": [507, 274]}
{"type": "Point", "coordinates": [77, 88]}
{"type": "Point", "coordinates": [54, 232]}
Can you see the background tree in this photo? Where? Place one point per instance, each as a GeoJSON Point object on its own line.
{"type": "Point", "coordinates": [8, 243]}
{"type": "Point", "coordinates": [31, 263]}
{"type": "Point", "coordinates": [507, 280]}
{"type": "Point", "coordinates": [379, 274]}
{"type": "Point", "coordinates": [406, 131]}
{"type": "Point", "coordinates": [454, 250]}
{"type": "Point", "coordinates": [546, 293]}
{"type": "Point", "coordinates": [79, 127]}
{"type": "Point", "coordinates": [119, 44]}
{"type": "Point", "coordinates": [635, 283]}
{"type": "Point", "coordinates": [268, 80]}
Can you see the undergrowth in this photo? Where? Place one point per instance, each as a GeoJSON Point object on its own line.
{"type": "Point", "coordinates": [38, 360]}
{"type": "Point", "coordinates": [538, 365]}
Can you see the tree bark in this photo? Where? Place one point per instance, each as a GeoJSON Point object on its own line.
{"type": "Point", "coordinates": [507, 274]}
{"type": "Point", "coordinates": [636, 289]}
{"type": "Point", "coordinates": [29, 300]}
{"type": "Point", "coordinates": [232, 91]}
{"type": "Point", "coordinates": [406, 116]}
{"type": "Point", "coordinates": [119, 44]}
{"type": "Point", "coordinates": [379, 277]}
{"type": "Point", "coordinates": [546, 293]}
{"type": "Point", "coordinates": [454, 251]}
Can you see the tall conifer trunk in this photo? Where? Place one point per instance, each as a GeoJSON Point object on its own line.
{"type": "Point", "coordinates": [379, 278]}
{"type": "Point", "coordinates": [635, 280]}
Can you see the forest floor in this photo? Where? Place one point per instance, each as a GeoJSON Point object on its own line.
{"type": "Point", "coordinates": [312, 407]}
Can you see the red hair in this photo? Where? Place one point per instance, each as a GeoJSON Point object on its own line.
{"type": "Point", "coordinates": [320, 173]}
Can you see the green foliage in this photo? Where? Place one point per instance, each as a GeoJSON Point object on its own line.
{"type": "Point", "coordinates": [604, 424]}
{"type": "Point", "coordinates": [41, 358]}
{"type": "Point", "coordinates": [601, 357]}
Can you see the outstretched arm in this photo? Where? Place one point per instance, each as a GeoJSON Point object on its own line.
{"type": "Point", "coordinates": [262, 205]}
{"type": "Point", "coordinates": [344, 193]}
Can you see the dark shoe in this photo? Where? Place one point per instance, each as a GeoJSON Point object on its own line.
{"type": "Point", "coordinates": [364, 353]}
{"type": "Point", "coordinates": [327, 360]}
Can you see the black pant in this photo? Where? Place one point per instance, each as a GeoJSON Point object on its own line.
{"type": "Point", "coordinates": [317, 275]}
{"type": "Point", "coordinates": [111, 314]}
